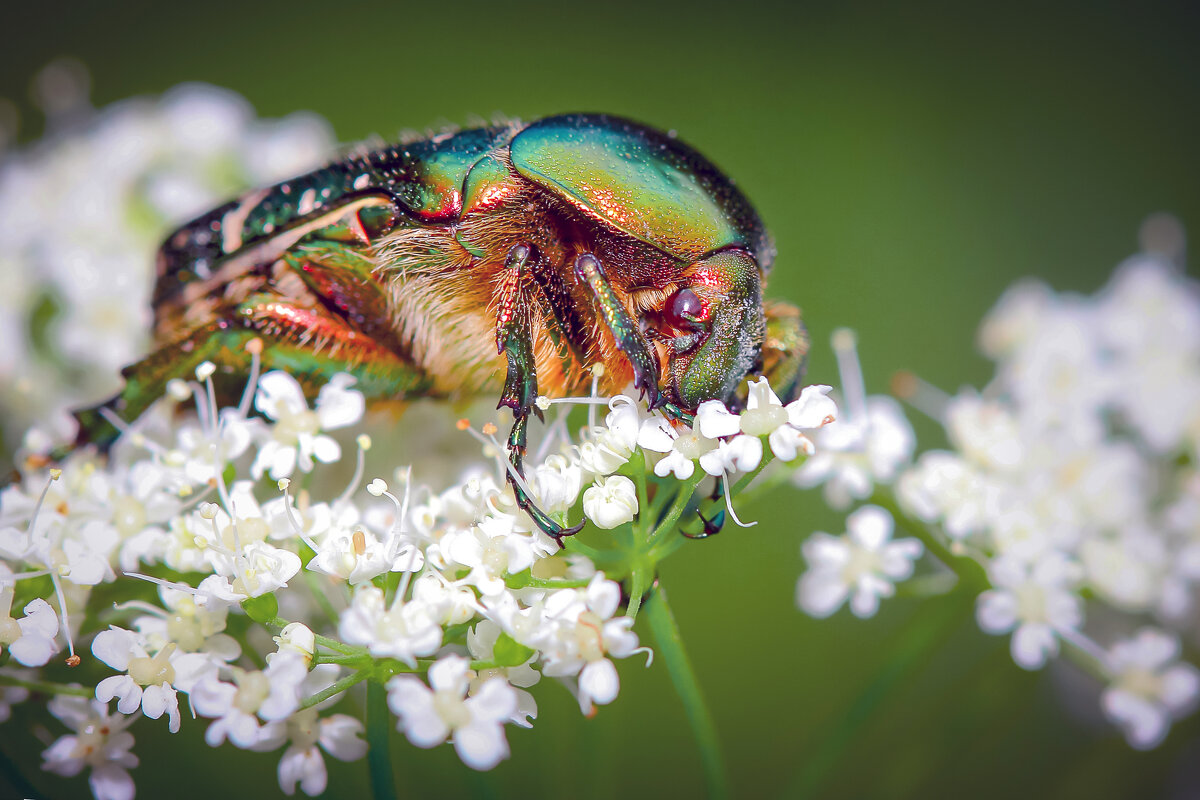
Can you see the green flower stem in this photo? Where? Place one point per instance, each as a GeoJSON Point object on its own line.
{"type": "Point", "coordinates": [907, 652]}
{"type": "Point", "coordinates": [355, 661]}
{"type": "Point", "coordinates": [526, 581]}
{"type": "Point", "coordinates": [336, 688]}
{"type": "Point", "coordinates": [749, 477]}
{"type": "Point", "coordinates": [310, 581]}
{"type": "Point", "coordinates": [685, 492]}
{"type": "Point", "coordinates": [971, 573]}
{"type": "Point", "coordinates": [46, 687]}
{"type": "Point", "coordinates": [379, 754]}
{"type": "Point", "coordinates": [642, 521]}
{"type": "Point", "coordinates": [641, 575]}
{"type": "Point", "coordinates": [670, 648]}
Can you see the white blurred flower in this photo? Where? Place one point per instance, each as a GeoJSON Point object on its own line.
{"type": "Point", "coordinates": [272, 694]}
{"type": "Point", "coordinates": [943, 487]}
{"type": "Point", "coordinates": [481, 642]}
{"type": "Point", "coordinates": [339, 735]}
{"type": "Point", "coordinates": [1150, 687]}
{"type": "Point", "coordinates": [862, 565]}
{"type": "Point", "coordinates": [99, 741]}
{"type": "Point", "coordinates": [131, 172]}
{"type": "Point", "coordinates": [866, 443]}
{"type": "Point", "coordinates": [1035, 602]}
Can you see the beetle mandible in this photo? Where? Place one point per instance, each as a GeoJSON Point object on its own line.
{"type": "Point", "coordinates": [505, 258]}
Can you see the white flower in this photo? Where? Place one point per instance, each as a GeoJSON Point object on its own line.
{"type": "Point", "coordinates": [200, 453]}
{"type": "Point", "coordinates": [684, 447]}
{"type": "Point", "coordinates": [191, 622]}
{"type": "Point", "coordinates": [861, 565]}
{"type": "Point", "coordinates": [100, 742]}
{"type": "Point", "coordinates": [611, 501]}
{"type": "Point", "coordinates": [1150, 687]}
{"type": "Point", "coordinates": [404, 631]}
{"type": "Point", "coordinates": [1035, 600]}
{"type": "Point", "coordinates": [985, 431]}
{"type": "Point", "coordinates": [31, 639]}
{"type": "Point", "coordinates": [556, 483]}
{"type": "Point", "coordinates": [429, 715]}
{"type": "Point", "coordinates": [296, 637]}
{"type": "Point", "coordinates": [765, 415]}
{"type": "Point", "coordinates": [258, 569]}
{"type": "Point", "coordinates": [355, 555]}
{"type": "Point", "coordinates": [492, 548]}
{"type": "Point", "coordinates": [149, 681]}
{"type": "Point", "coordinates": [612, 445]}
{"type": "Point", "coordinates": [296, 436]}
{"type": "Point", "coordinates": [273, 694]}
{"type": "Point", "coordinates": [578, 634]}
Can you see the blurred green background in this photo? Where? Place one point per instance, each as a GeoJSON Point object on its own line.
{"type": "Point", "coordinates": [912, 160]}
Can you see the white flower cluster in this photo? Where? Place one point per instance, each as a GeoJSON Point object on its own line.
{"type": "Point", "coordinates": [1074, 474]}
{"type": "Point", "coordinates": [81, 215]}
{"type": "Point", "coordinates": [457, 585]}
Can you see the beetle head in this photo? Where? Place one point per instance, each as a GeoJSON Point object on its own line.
{"type": "Point", "coordinates": [715, 325]}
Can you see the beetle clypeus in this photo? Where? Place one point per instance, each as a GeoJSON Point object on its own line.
{"type": "Point", "coordinates": [571, 241]}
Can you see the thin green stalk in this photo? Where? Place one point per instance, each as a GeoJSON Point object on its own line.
{"type": "Point", "coordinates": [310, 580]}
{"type": "Point", "coordinates": [643, 520]}
{"type": "Point", "coordinates": [45, 687]}
{"type": "Point", "coordinates": [669, 645]}
{"type": "Point", "coordinates": [336, 688]}
{"type": "Point", "coordinates": [685, 492]}
{"type": "Point", "coordinates": [749, 477]}
{"type": "Point", "coordinates": [640, 578]}
{"type": "Point", "coordinates": [530, 582]}
{"type": "Point", "coordinates": [970, 572]}
{"type": "Point", "coordinates": [379, 754]}
{"type": "Point", "coordinates": [907, 652]}
{"type": "Point", "coordinates": [356, 661]}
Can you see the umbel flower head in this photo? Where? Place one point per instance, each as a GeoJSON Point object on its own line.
{"type": "Point", "coordinates": [1070, 484]}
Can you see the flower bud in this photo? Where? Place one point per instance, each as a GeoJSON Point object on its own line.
{"type": "Point", "coordinates": [611, 501]}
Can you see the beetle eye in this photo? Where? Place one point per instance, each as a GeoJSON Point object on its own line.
{"type": "Point", "coordinates": [685, 311]}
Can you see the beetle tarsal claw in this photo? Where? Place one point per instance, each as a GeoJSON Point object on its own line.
{"type": "Point", "coordinates": [711, 526]}
{"type": "Point", "coordinates": [516, 455]}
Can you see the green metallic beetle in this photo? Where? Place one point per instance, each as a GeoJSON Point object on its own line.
{"type": "Point", "coordinates": [571, 241]}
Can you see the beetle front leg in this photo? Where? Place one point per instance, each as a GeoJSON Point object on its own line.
{"type": "Point", "coordinates": [627, 334]}
{"type": "Point", "coordinates": [513, 325]}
